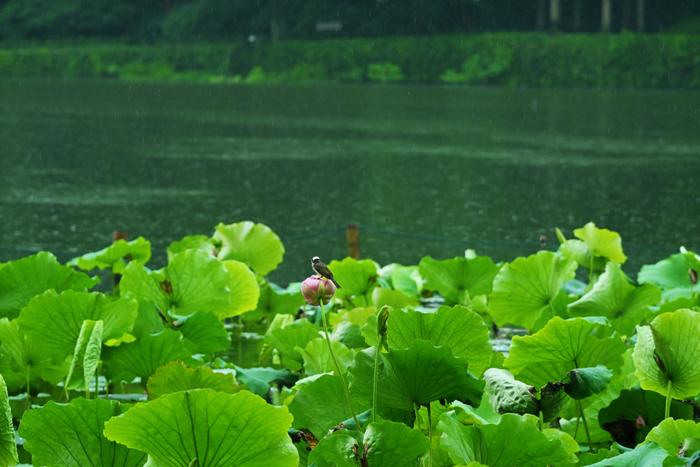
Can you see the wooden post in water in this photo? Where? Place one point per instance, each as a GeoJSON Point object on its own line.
{"type": "Point", "coordinates": [606, 15]}
{"type": "Point", "coordinates": [353, 238]}
{"type": "Point", "coordinates": [554, 15]}
{"type": "Point", "coordinates": [641, 14]}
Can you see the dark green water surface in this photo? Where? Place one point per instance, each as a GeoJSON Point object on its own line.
{"type": "Point", "coordinates": [423, 170]}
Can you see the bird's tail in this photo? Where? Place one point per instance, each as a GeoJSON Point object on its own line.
{"type": "Point", "coordinates": [335, 283]}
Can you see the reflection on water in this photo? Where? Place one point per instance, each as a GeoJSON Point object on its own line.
{"type": "Point", "coordinates": [424, 170]}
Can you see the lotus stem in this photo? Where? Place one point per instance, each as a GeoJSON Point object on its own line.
{"type": "Point", "coordinates": [29, 395]}
{"type": "Point", "coordinates": [343, 382]}
{"type": "Point", "coordinates": [585, 425]}
{"type": "Point", "coordinates": [430, 438]}
{"type": "Point", "coordinates": [667, 408]}
{"type": "Point", "coordinates": [375, 381]}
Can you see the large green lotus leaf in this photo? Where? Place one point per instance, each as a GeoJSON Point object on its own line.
{"type": "Point", "coordinates": [384, 444]}
{"type": "Point", "coordinates": [675, 435]}
{"type": "Point", "coordinates": [253, 244]}
{"type": "Point", "coordinates": [390, 444]}
{"type": "Point", "coordinates": [602, 242]}
{"type": "Point", "coordinates": [458, 328]}
{"type": "Point", "coordinates": [288, 335]}
{"type": "Point", "coordinates": [457, 279]}
{"type": "Point", "coordinates": [577, 250]}
{"type": "Point", "coordinates": [20, 359]}
{"type": "Point", "coordinates": [86, 356]}
{"type": "Point", "coordinates": [356, 277]}
{"type": "Point", "coordinates": [561, 346]}
{"type": "Point", "coordinates": [199, 283]}
{"type": "Point", "coordinates": [143, 357]}
{"type": "Point", "coordinates": [116, 256]}
{"type": "Point", "coordinates": [667, 353]}
{"type": "Point", "coordinates": [53, 321]}
{"type": "Point", "coordinates": [319, 404]}
{"type": "Point", "coordinates": [515, 440]}
{"type": "Point", "coordinates": [192, 242]}
{"type": "Point", "coordinates": [317, 358]}
{"type": "Point", "coordinates": [673, 274]}
{"type": "Point", "coordinates": [339, 449]}
{"type": "Point", "coordinates": [647, 454]}
{"type": "Point", "coordinates": [258, 380]}
{"type": "Point", "coordinates": [208, 428]}
{"type": "Point", "coordinates": [630, 416]}
{"type": "Point", "coordinates": [148, 320]}
{"type": "Point", "coordinates": [204, 333]}
{"type": "Point", "coordinates": [275, 300]}
{"type": "Point", "coordinates": [348, 326]}
{"type": "Point", "coordinates": [176, 376]}
{"type": "Point", "coordinates": [588, 458]}
{"type": "Point", "coordinates": [414, 376]}
{"type": "Point", "coordinates": [25, 278]}
{"type": "Point", "coordinates": [145, 286]}
{"type": "Point", "coordinates": [392, 298]}
{"type": "Point", "coordinates": [528, 291]}
{"type": "Point", "coordinates": [71, 434]}
{"type": "Point", "coordinates": [193, 281]}
{"type": "Point", "coordinates": [8, 448]}
{"type": "Point", "coordinates": [407, 279]}
{"type": "Point", "coordinates": [245, 291]}
{"type": "Point", "coordinates": [615, 298]}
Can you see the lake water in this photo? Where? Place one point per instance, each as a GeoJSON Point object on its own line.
{"type": "Point", "coordinates": [423, 170]}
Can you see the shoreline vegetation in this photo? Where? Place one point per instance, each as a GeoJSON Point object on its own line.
{"type": "Point", "coordinates": [626, 60]}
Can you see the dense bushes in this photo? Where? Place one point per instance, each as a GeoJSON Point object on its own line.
{"type": "Point", "coordinates": [520, 59]}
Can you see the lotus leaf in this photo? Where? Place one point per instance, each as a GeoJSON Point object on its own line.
{"type": "Point", "coordinates": [667, 354]}
{"type": "Point", "coordinates": [71, 434]}
{"type": "Point", "coordinates": [676, 436]}
{"type": "Point", "coordinates": [209, 428]}
{"type": "Point", "coordinates": [514, 440]}
{"type": "Point", "coordinates": [176, 376]}
{"type": "Point", "coordinates": [25, 278]}
{"type": "Point", "coordinates": [458, 279]}
{"type": "Point", "coordinates": [602, 242]}
{"type": "Point", "coordinates": [53, 321]}
{"type": "Point", "coordinates": [414, 376]}
{"type": "Point", "coordinates": [253, 244]}
{"type": "Point", "coordinates": [615, 298]}
{"type": "Point", "coordinates": [116, 256]}
{"type": "Point", "coordinates": [8, 448]}
{"type": "Point", "coordinates": [86, 356]}
{"type": "Point", "coordinates": [204, 333]}
{"type": "Point", "coordinates": [384, 444]}
{"type": "Point", "coordinates": [461, 330]}
{"type": "Point", "coordinates": [319, 404]}
{"type": "Point", "coordinates": [528, 291]}
{"type": "Point", "coordinates": [143, 357]}
{"type": "Point", "coordinates": [561, 346]}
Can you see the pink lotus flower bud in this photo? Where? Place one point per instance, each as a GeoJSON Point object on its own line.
{"type": "Point", "coordinates": [315, 288]}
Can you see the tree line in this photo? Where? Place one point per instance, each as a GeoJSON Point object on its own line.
{"type": "Point", "coordinates": [258, 19]}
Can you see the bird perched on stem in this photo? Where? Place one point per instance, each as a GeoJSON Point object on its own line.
{"type": "Point", "coordinates": [322, 270]}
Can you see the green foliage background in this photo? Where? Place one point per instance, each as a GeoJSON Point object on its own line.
{"type": "Point", "coordinates": [513, 59]}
